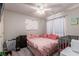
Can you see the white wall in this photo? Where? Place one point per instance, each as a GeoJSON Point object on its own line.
{"type": "Point", "coordinates": [71, 29]}
{"type": "Point", "coordinates": [14, 25]}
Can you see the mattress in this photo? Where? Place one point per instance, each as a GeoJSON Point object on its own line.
{"type": "Point", "coordinates": [68, 52]}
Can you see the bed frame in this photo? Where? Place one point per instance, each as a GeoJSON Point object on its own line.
{"type": "Point", "coordinates": [66, 41]}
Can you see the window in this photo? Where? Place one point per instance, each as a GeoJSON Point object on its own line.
{"type": "Point", "coordinates": [31, 24]}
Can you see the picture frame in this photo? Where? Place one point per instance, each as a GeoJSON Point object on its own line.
{"type": "Point", "coordinates": [74, 20]}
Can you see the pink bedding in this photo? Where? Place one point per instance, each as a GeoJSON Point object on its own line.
{"type": "Point", "coordinates": [44, 45]}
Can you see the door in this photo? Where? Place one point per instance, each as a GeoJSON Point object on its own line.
{"type": "Point", "coordinates": [1, 28]}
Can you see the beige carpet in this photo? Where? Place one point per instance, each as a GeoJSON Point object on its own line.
{"type": "Point", "coordinates": [22, 52]}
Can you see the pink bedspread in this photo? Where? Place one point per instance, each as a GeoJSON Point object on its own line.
{"type": "Point", "coordinates": [44, 45]}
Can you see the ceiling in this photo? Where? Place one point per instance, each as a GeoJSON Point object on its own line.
{"type": "Point", "coordinates": [29, 8]}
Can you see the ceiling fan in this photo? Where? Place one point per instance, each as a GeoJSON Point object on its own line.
{"type": "Point", "coordinates": [41, 8]}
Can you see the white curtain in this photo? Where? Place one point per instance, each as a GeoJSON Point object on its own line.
{"type": "Point", "coordinates": [56, 26]}
{"type": "Point", "coordinates": [49, 27]}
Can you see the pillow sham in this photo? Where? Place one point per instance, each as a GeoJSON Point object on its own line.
{"type": "Point", "coordinates": [44, 35]}
{"type": "Point", "coordinates": [33, 36]}
{"type": "Point", "coordinates": [52, 36]}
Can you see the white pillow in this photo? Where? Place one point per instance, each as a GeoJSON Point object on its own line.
{"type": "Point", "coordinates": [75, 45]}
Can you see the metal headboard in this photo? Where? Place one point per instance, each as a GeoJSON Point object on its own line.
{"type": "Point", "coordinates": [66, 41]}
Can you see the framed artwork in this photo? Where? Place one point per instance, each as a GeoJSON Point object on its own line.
{"type": "Point", "coordinates": [74, 20]}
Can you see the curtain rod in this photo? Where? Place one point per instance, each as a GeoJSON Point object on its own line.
{"type": "Point", "coordinates": [57, 18]}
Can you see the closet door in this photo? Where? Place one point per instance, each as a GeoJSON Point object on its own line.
{"type": "Point", "coordinates": [1, 27]}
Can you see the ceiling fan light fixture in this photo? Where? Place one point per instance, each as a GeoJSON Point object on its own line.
{"type": "Point", "coordinates": [41, 8]}
{"type": "Point", "coordinates": [39, 11]}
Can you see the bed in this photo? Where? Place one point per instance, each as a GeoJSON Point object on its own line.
{"type": "Point", "coordinates": [42, 46]}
